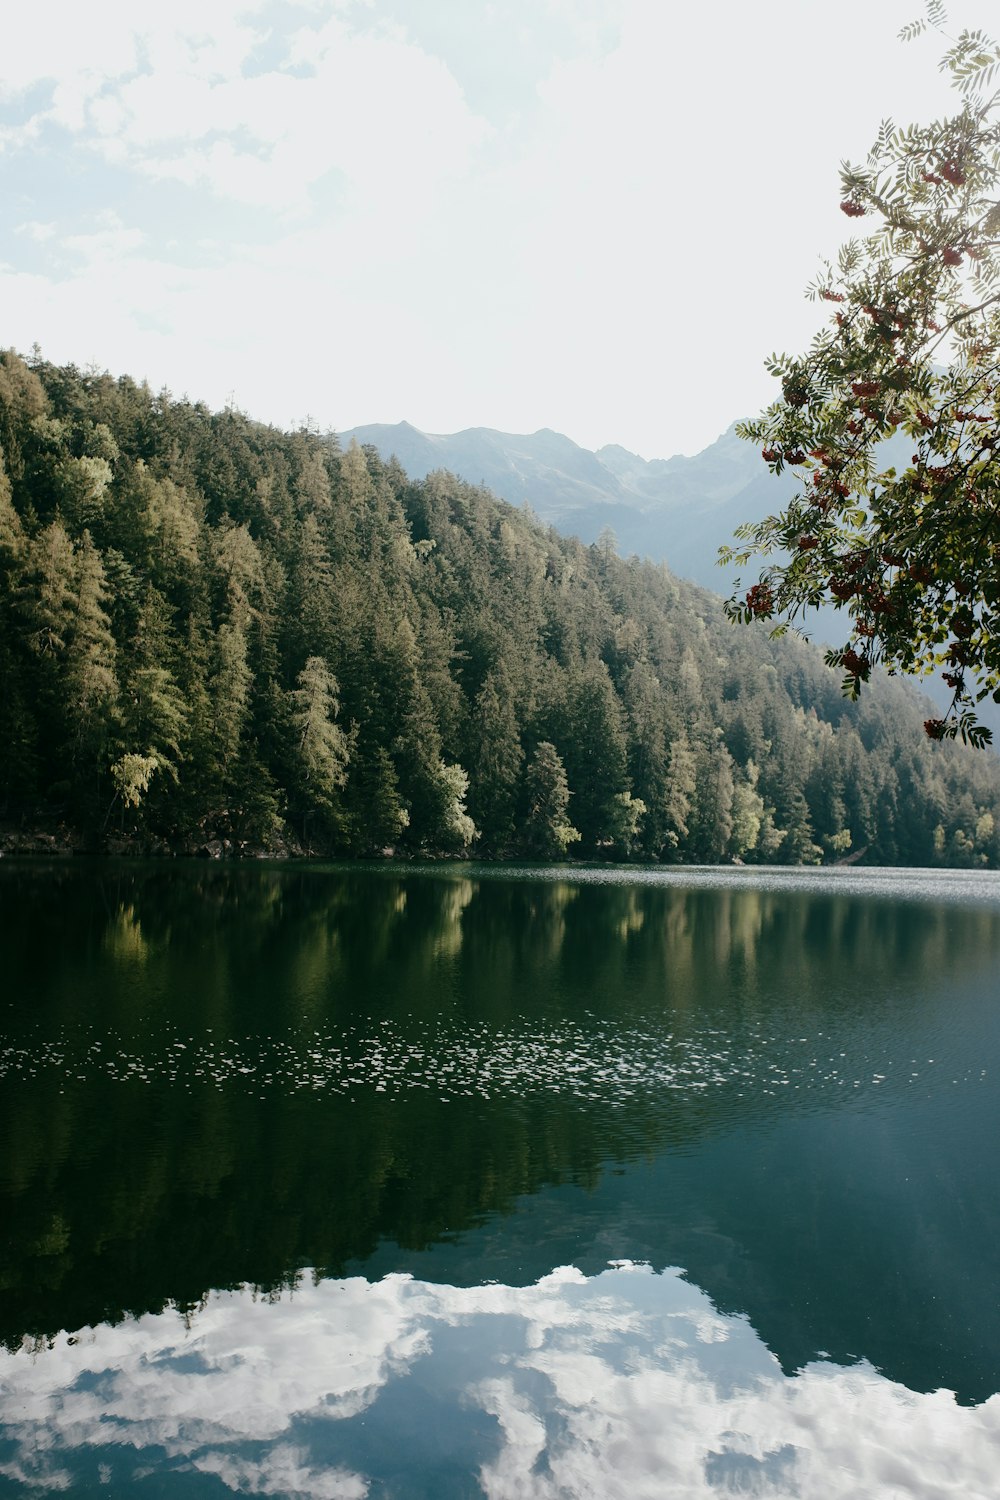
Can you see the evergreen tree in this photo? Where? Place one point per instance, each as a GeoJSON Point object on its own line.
{"type": "Point", "coordinates": [496, 760]}
{"type": "Point", "coordinates": [681, 785]}
{"type": "Point", "coordinates": [378, 818]}
{"type": "Point", "coordinates": [91, 681]}
{"type": "Point", "coordinates": [322, 748]}
{"type": "Point", "coordinates": [547, 832]}
{"type": "Point", "coordinates": [592, 736]}
{"type": "Point", "coordinates": [190, 621]}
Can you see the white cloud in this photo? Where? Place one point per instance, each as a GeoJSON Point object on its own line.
{"type": "Point", "coordinates": [613, 257]}
{"type": "Point", "coordinates": [110, 241]}
{"type": "Point", "coordinates": [284, 1471]}
{"type": "Point", "coordinates": [621, 1387]}
{"type": "Point", "coordinates": [53, 41]}
{"type": "Point", "coordinates": [173, 101]}
{"type": "Point", "coordinates": [36, 231]}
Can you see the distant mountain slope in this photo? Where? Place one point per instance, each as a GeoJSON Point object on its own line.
{"type": "Point", "coordinates": [516, 467]}
{"type": "Point", "coordinates": [678, 510]}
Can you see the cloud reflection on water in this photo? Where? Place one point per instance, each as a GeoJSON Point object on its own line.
{"type": "Point", "coordinates": [625, 1384]}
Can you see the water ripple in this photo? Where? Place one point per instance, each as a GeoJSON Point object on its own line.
{"type": "Point", "coordinates": [591, 1060]}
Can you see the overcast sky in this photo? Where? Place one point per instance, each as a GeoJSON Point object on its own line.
{"type": "Point", "coordinates": [593, 215]}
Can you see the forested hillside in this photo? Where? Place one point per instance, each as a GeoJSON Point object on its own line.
{"type": "Point", "coordinates": [678, 510]}
{"type": "Point", "coordinates": [217, 634]}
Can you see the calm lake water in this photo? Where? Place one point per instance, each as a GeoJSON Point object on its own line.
{"type": "Point", "coordinates": [448, 1181]}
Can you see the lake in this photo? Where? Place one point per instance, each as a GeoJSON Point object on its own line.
{"type": "Point", "coordinates": [441, 1181]}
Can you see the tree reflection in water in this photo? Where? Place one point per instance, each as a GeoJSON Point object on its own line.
{"type": "Point", "coordinates": [211, 1077]}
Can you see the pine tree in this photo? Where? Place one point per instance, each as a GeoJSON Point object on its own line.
{"type": "Point", "coordinates": [546, 831]}
{"type": "Point", "coordinates": [592, 738]}
{"type": "Point", "coordinates": [312, 627]}
{"type": "Point", "coordinates": [231, 684]}
{"type": "Point", "coordinates": [681, 785]}
{"type": "Point", "coordinates": [90, 658]}
{"type": "Point", "coordinates": [322, 749]}
{"type": "Point", "coordinates": [496, 760]}
{"type": "Point", "coordinates": [48, 590]}
{"type": "Point", "coordinates": [18, 726]}
{"type": "Point", "coordinates": [377, 815]}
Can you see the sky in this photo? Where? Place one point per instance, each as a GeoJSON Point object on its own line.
{"type": "Point", "coordinates": [598, 216]}
{"type": "Point", "coordinates": [624, 1384]}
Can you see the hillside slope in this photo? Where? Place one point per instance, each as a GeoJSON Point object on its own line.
{"type": "Point", "coordinates": [678, 510]}
{"type": "Point", "coordinates": [217, 635]}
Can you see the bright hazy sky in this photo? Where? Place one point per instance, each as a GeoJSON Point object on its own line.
{"type": "Point", "coordinates": [593, 215]}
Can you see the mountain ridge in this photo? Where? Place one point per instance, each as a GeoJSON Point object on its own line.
{"type": "Point", "coordinates": [677, 510]}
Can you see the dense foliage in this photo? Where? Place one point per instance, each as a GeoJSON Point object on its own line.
{"type": "Point", "coordinates": [893, 416]}
{"type": "Point", "coordinates": [213, 632]}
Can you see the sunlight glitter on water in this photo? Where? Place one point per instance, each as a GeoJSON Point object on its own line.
{"type": "Point", "coordinates": [963, 887]}
{"type": "Point", "coordinates": [598, 1061]}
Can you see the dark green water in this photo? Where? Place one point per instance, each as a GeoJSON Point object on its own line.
{"type": "Point", "coordinates": [447, 1182]}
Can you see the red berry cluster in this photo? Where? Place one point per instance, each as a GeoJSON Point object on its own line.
{"type": "Point", "coordinates": [951, 257]}
{"type": "Point", "coordinates": [857, 665]}
{"type": "Point", "coordinates": [760, 600]}
{"type": "Point", "coordinates": [852, 208]}
{"type": "Point", "coordinates": [934, 729]}
{"type": "Point", "coordinates": [831, 484]}
{"type": "Point", "coordinates": [789, 455]}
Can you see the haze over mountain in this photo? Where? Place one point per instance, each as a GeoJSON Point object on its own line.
{"type": "Point", "coordinates": [676, 510]}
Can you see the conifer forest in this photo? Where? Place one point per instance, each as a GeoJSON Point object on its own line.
{"type": "Point", "coordinates": [219, 637]}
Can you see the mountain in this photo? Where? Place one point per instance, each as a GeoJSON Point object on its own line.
{"type": "Point", "coordinates": [677, 510]}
